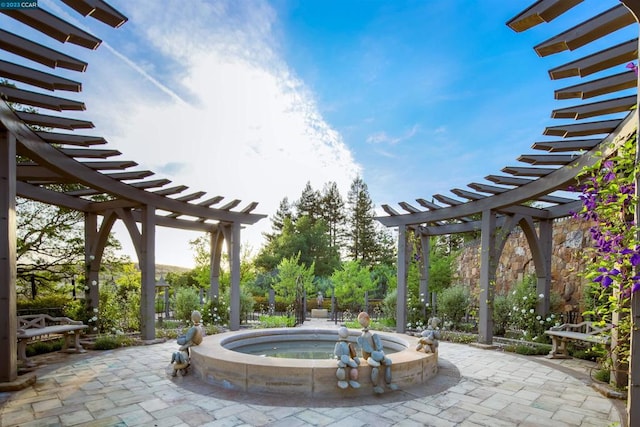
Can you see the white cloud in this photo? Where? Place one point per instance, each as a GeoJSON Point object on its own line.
{"type": "Point", "coordinates": [248, 129]}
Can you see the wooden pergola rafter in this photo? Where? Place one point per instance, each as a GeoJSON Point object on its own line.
{"type": "Point", "coordinates": [59, 167]}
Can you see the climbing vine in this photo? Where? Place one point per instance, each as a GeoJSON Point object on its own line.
{"type": "Point", "coordinates": [607, 191]}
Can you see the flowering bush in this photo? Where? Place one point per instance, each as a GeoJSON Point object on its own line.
{"type": "Point", "coordinates": [522, 301]}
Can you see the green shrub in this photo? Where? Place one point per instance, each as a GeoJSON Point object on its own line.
{"type": "Point", "coordinates": [109, 342]}
{"type": "Point", "coordinates": [43, 347]}
{"type": "Point", "coordinates": [602, 375]}
{"type": "Point", "coordinates": [187, 299]}
{"type": "Point", "coordinates": [501, 318]}
{"type": "Point", "coordinates": [266, 321]}
{"type": "Point", "coordinates": [529, 350]}
{"type": "Point", "coordinates": [458, 337]}
{"type": "Point", "coordinates": [389, 304]}
{"type": "Point", "coordinates": [453, 303]}
{"type": "Point", "coordinates": [594, 353]}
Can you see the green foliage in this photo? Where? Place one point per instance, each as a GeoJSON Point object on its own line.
{"type": "Point", "coordinates": [43, 347]}
{"type": "Point", "coordinates": [351, 282]}
{"type": "Point", "coordinates": [458, 337]}
{"type": "Point", "coordinates": [266, 321]}
{"type": "Point", "coordinates": [293, 278]}
{"type": "Point", "coordinates": [593, 353]}
{"type": "Point", "coordinates": [109, 342]}
{"type": "Point", "coordinates": [119, 308]}
{"type": "Point", "coordinates": [306, 239]}
{"type": "Point", "coordinates": [522, 301]}
{"type": "Point", "coordinates": [453, 303]}
{"type": "Point", "coordinates": [529, 350]}
{"type": "Point", "coordinates": [501, 314]}
{"type": "Point", "coordinates": [602, 375]}
{"type": "Point", "coordinates": [186, 300]}
{"type": "Point", "coordinates": [389, 304]}
{"type": "Point", "coordinates": [609, 203]}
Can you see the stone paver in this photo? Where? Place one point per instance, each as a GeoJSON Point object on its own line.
{"type": "Point", "coordinates": [475, 387]}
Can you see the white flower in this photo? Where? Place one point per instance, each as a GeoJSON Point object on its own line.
{"type": "Point", "coordinates": [93, 283]}
{"type": "Point", "coordinates": [95, 310]}
{"type": "Point", "coordinates": [552, 316]}
{"type": "Point", "coordinates": [95, 329]}
{"type": "Point", "coordinates": [542, 322]}
{"type": "Point", "coordinates": [524, 297]}
{"type": "Point", "coordinates": [94, 319]}
{"type": "Point", "coordinates": [538, 317]}
{"type": "Point", "coordinates": [523, 311]}
{"type": "Point", "coordinates": [548, 319]}
{"type": "Point", "coordinates": [513, 293]}
{"type": "Point", "coordinates": [541, 296]}
{"type": "Point", "coordinates": [531, 311]}
{"type": "Point", "coordinates": [408, 325]}
{"type": "Point", "coordinates": [86, 288]}
{"type": "Point", "coordinates": [422, 300]}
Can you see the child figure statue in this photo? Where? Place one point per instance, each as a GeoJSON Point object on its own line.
{"type": "Point", "coordinates": [373, 353]}
{"type": "Point", "coordinates": [181, 358]}
{"type": "Point", "coordinates": [430, 336]}
{"type": "Point", "coordinates": [348, 361]}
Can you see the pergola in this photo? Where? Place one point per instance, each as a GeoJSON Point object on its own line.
{"type": "Point", "coordinates": [504, 201]}
{"type": "Point", "coordinates": [34, 163]}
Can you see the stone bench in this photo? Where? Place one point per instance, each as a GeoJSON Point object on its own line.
{"type": "Point", "coordinates": [32, 326]}
{"type": "Point", "coordinates": [584, 331]}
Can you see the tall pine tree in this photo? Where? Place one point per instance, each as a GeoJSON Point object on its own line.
{"type": "Point", "coordinates": [309, 203]}
{"type": "Point", "coordinates": [362, 242]}
{"type": "Point", "coordinates": [333, 213]}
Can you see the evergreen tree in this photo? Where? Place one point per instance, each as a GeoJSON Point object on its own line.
{"type": "Point", "coordinates": [277, 222]}
{"type": "Point", "coordinates": [361, 234]}
{"type": "Point", "coordinates": [332, 211]}
{"type": "Point", "coordinates": [309, 203]}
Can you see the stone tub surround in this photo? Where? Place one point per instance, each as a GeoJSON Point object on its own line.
{"type": "Point", "coordinates": [216, 363]}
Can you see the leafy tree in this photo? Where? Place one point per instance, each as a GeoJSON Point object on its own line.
{"type": "Point", "coordinates": [303, 238]}
{"type": "Point", "coordinates": [293, 278]}
{"type": "Point", "coordinates": [351, 282]}
{"type": "Point", "coordinates": [50, 246]}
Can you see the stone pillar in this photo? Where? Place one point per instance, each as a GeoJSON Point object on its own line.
{"type": "Point", "coordinates": [8, 319]}
{"type": "Point", "coordinates": [487, 277]}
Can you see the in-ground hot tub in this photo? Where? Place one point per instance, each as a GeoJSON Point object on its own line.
{"type": "Point", "coordinates": [216, 362]}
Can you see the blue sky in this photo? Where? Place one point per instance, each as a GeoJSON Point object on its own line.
{"type": "Point", "coordinates": [251, 99]}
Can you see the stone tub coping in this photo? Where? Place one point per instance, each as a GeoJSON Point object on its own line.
{"type": "Point", "coordinates": [216, 363]}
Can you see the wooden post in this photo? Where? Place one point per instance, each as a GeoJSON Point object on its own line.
{"type": "Point", "coordinates": [8, 315]}
{"type": "Point", "coordinates": [487, 277]}
{"type": "Point", "coordinates": [148, 270]}
{"type": "Point", "coordinates": [401, 303]}
{"type": "Point", "coordinates": [234, 261]}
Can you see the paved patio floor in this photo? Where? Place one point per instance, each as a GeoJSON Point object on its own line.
{"type": "Point", "coordinates": [475, 387]}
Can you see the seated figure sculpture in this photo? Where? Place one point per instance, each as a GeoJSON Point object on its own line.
{"type": "Point", "coordinates": [348, 361]}
{"type": "Point", "coordinates": [373, 353]}
{"type": "Point", "coordinates": [430, 336]}
{"type": "Point", "coordinates": [181, 358]}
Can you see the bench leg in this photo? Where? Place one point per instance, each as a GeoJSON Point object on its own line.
{"type": "Point", "coordinates": [22, 354]}
{"type": "Point", "coordinates": [72, 346]}
{"type": "Point", "coordinates": [558, 348]}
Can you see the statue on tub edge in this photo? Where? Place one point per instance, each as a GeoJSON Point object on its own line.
{"type": "Point", "coordinates": [181, 358]}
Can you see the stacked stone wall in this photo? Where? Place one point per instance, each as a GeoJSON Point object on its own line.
{"type": "Point", "coordinates": [570, 237]}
